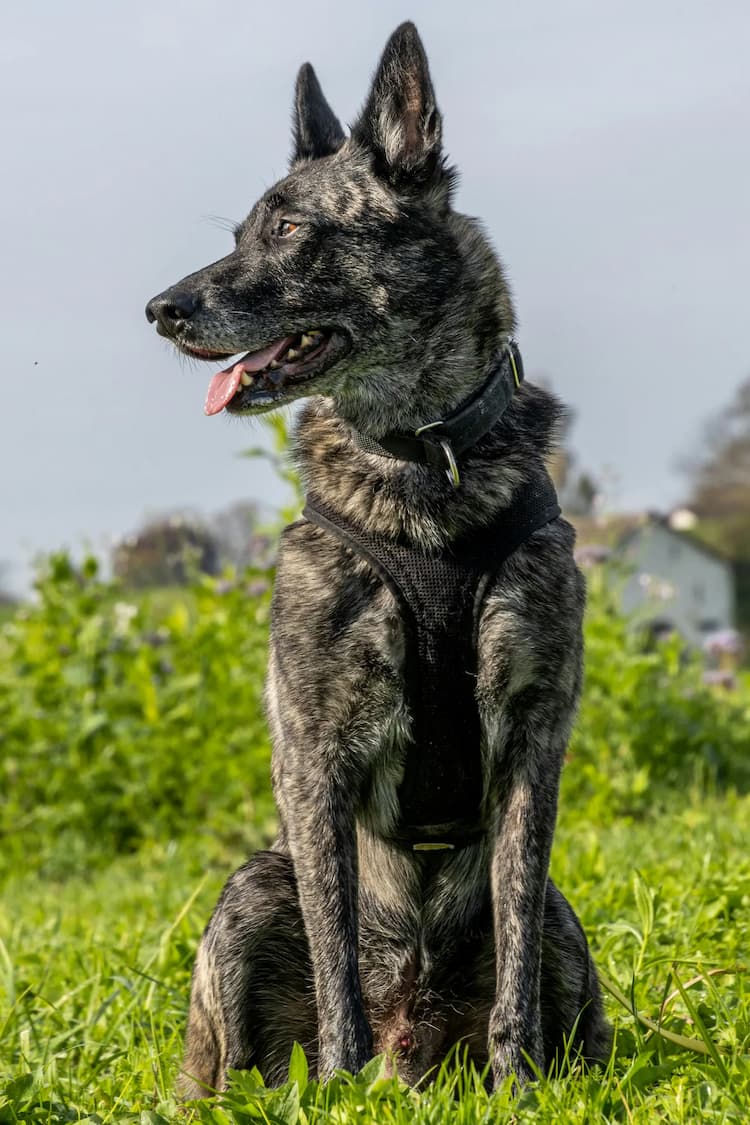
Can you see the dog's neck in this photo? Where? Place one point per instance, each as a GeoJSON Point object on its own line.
{"type": "Point", "coordinates": [424, 359]}
{"type": "Point", "coordinates": [404, 395]}
{"type": "Point", "coordinates": [396, 497]}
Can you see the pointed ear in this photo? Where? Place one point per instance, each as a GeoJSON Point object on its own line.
{"type": "Point", "coordinates": [316, 128]}
{"type": "Point", "coordinates": [401, 123]}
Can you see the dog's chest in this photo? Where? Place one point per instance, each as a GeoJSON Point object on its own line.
{"type": "Point", "coordinates": [438, 594]}
{"type": "Point", "coordinates": [433, 757]}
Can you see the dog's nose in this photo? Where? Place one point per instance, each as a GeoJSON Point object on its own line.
{"type": "Point", "coordinates": [171, 308]}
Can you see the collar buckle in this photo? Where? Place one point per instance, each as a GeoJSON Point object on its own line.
{"type": "Point", "coordinates": [451, 465]}
{"type": "Point", "coordinates": [512, 351]}
{"type": "Point", "coordinates": [452, 471]}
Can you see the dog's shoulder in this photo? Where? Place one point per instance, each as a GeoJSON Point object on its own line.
{"type": "Point", "coordinates": [531, 618]}
{"type": "Point", "coordinates": [311, 556]}
{"type": "Point", "coordinates": [540, 581]}
{"type": "Point", "coordinates": [322, 585]}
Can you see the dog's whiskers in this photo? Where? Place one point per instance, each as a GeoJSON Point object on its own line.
{"type": "Point", "coordinates": [222, 222]}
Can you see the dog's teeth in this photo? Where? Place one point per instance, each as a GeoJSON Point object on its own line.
{"type": "Point", "coordinates": [307, 341]}
{"type": "Point", "coordinates": [293, 353]}
{"type": "Point", "coordinates": [274, 364]}
{"type": "Point", "coordinates": [245, 379]}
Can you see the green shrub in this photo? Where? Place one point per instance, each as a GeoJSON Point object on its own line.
{"type": "Point", "coordinates": [126, 721]}
{"type": "Point", "coordinates": [648, 726]}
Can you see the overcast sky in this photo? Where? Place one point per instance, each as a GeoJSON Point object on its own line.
{"type": "Point", "coordinates": [605, 144]}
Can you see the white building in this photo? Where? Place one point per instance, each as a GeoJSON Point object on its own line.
{"type": "Point", "coordinates": [671, 580]}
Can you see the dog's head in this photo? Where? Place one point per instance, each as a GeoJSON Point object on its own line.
{"type": "Point", "coordinates": [352, 266]}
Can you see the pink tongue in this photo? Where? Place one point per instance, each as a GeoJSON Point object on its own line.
{"type": "Point", "coordinates": [224, 385]}
{"type": "Point", "coordinates": [222, 388]}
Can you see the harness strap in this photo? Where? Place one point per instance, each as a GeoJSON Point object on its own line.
{"type": "Point", "coordinates": [440, 595]}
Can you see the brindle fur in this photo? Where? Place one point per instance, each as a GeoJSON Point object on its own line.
{"type": "Point", "coordinates": [335, 938]}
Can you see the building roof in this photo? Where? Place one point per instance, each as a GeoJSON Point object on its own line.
{"type": "Point", "coordinates": [615, 532]}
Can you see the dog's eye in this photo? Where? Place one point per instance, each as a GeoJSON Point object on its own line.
{"type": "Point", "coordinates": [286, 227]}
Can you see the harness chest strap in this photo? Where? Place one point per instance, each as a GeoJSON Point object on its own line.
{"type": "Point", "coordinates": [439, 595]}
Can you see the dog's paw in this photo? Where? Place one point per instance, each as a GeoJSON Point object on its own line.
{"type": "Point", "coordinates": [343, 1060]}
{"type": "Point", "coordinates": [511, 1059]}
{"type": "Point", "coordinates": [520, 1071]}
{"type": "Point", "coordinates": [350, 1057]}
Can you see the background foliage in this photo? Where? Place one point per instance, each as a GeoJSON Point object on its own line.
{"type": "Point", "coordinates": [126, 722]}
{"type": "Point", "coordinates": [131, 720]}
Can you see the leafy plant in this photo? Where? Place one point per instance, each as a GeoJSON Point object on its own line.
{"type": "Point", "coordinates": [129, 721]}
{"type": "Point", "coordinates": [648, 724]}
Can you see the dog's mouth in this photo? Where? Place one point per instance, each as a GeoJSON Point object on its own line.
{"type": "Point", "coordinates": [266, 377]}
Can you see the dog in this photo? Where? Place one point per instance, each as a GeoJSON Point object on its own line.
{"type": "Point", "coordinates": [357, 287]}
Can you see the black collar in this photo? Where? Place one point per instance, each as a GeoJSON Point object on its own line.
{"type": "Point", "coordinates": [439, 443]}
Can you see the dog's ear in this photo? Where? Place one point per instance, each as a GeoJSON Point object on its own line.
{"type": "Point", "coordinates": [316, 128]}
{"type": "Point", "coordinates": [400, 122]}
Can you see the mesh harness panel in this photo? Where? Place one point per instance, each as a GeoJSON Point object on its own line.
{"type": "Point", "coordinates": [439, 596]}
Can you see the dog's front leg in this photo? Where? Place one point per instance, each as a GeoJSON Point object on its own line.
{"type": "Point", "coordinates": [321, 833]}
{"type": "Point", "coordinates": [526, 779]}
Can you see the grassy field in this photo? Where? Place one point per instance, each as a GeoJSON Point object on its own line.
{"type": "Point", "coordinates": [135, 777]}
{"type": "Point", "coordinates": [95, 976]}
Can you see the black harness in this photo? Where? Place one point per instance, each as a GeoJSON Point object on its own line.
{"type": "Point", "coordinates": [440, 595]}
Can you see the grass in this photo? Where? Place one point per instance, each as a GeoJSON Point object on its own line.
{"type": "Point", "coordinates": [94, 979]}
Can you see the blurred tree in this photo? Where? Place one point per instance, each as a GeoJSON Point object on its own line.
{"type": "Point", "coordinates": [720, 490]}
{"type": "Point", "coordinates": [166, 552]}
{"type": "Point", "coordinates": [6, 598]}
{"type": "Point", "coordinates": [235, 532]}
{"type": "Point", "coordinates": [576, 488]}
{"type": "Point", "coordinates": [720, 474]}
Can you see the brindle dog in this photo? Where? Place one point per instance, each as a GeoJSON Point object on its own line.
{"type": "Point", "coordinates": [356, 286]}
